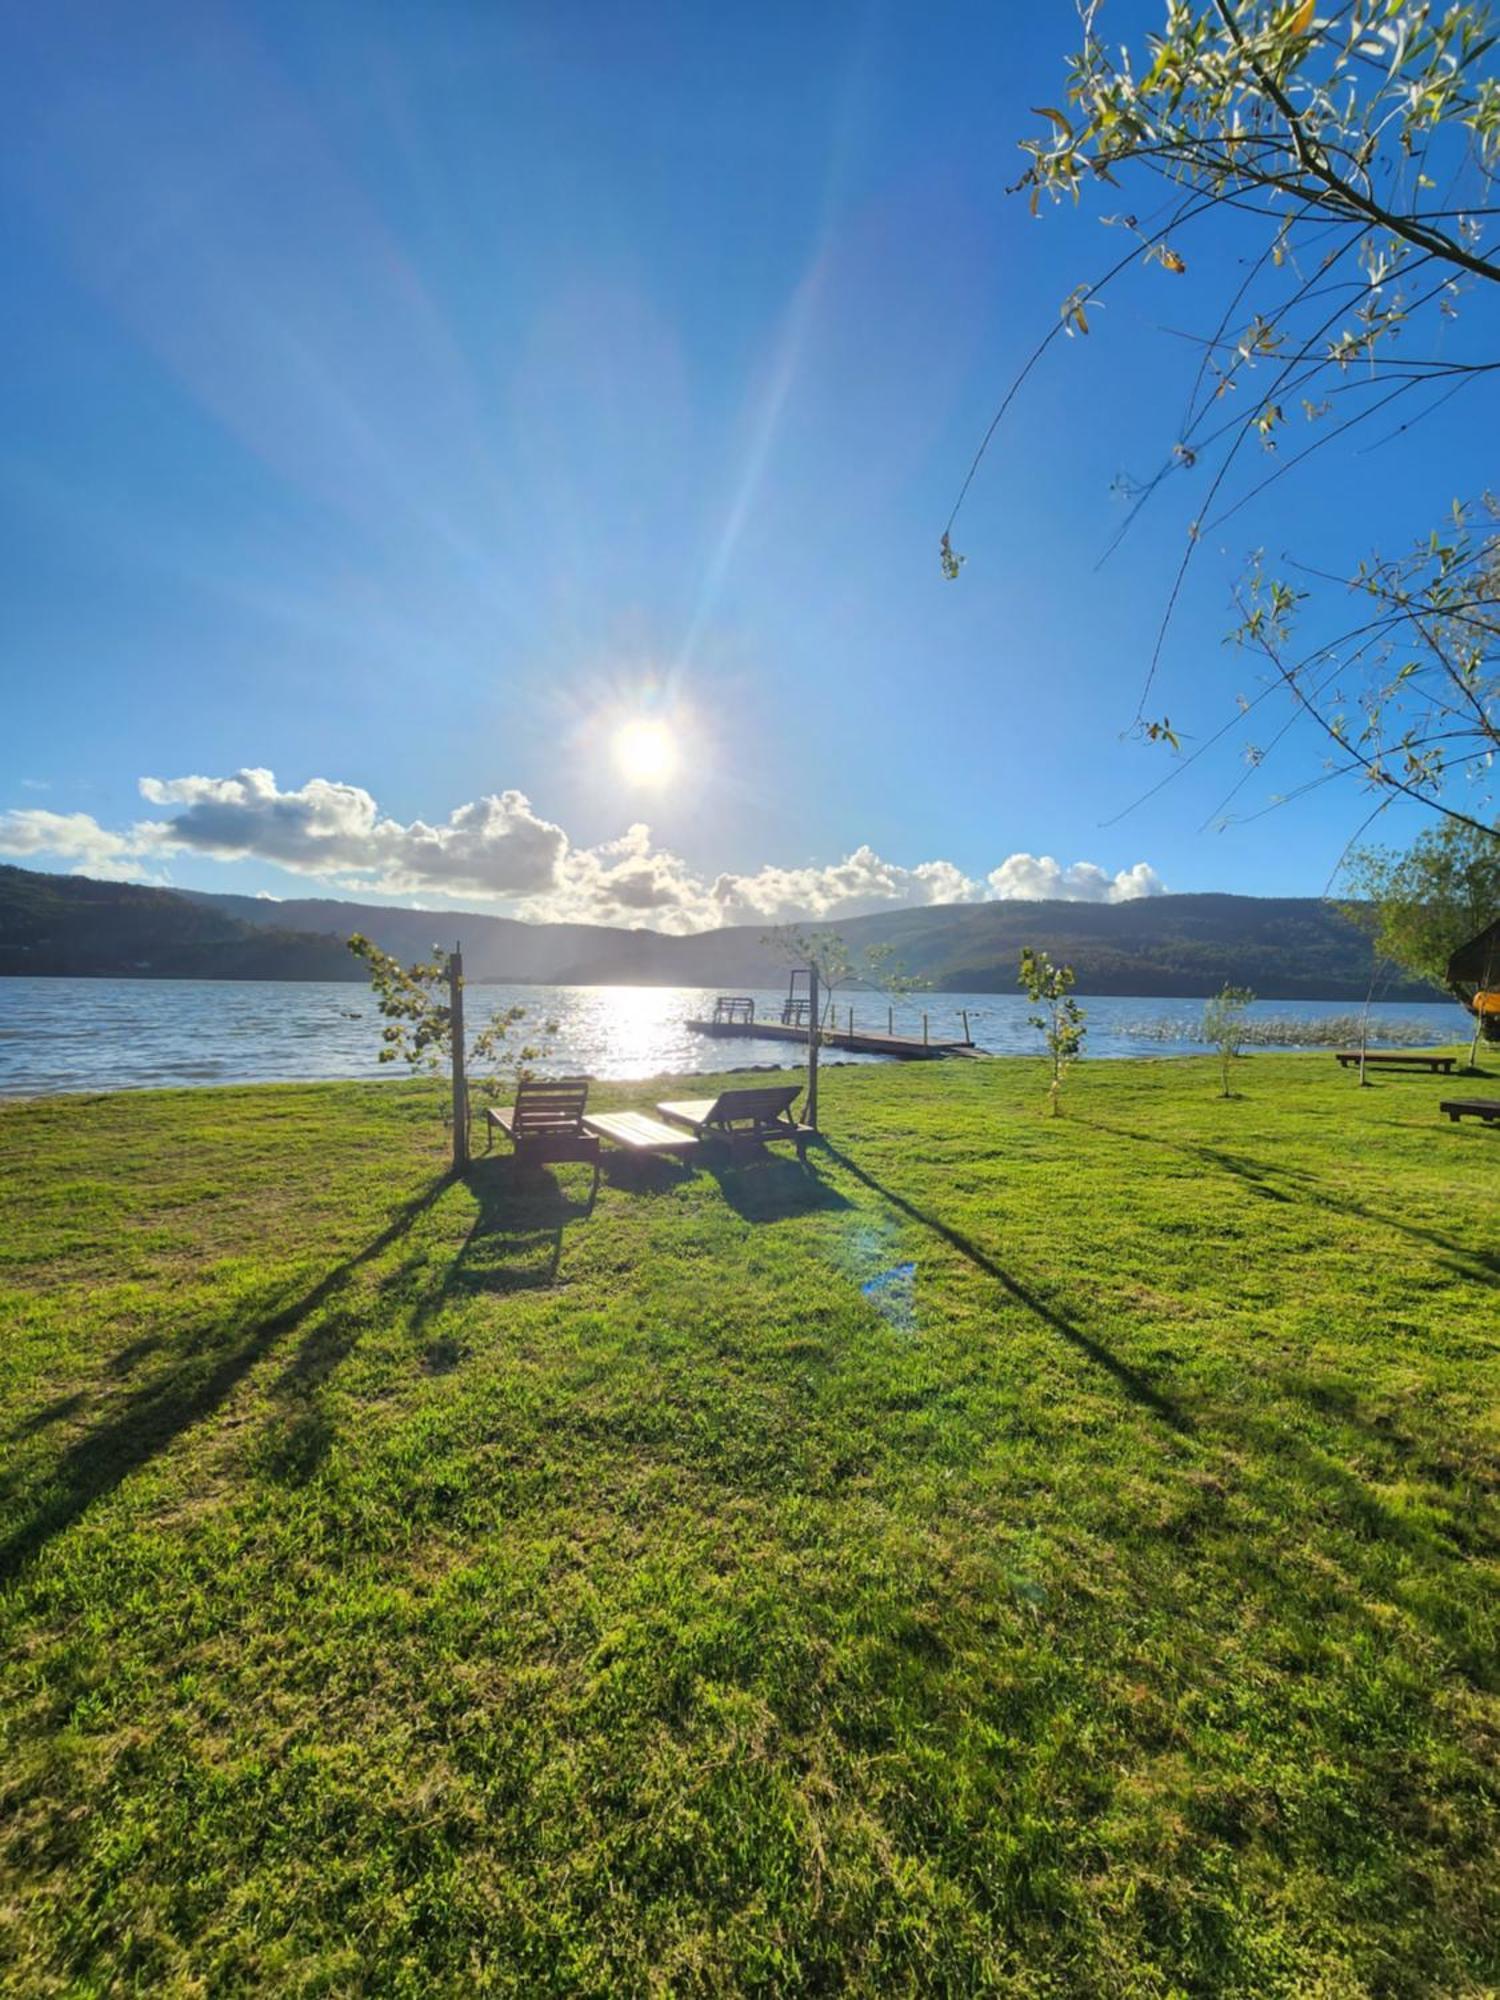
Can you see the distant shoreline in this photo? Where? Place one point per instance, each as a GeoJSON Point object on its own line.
{"type": "Point", "coordinates": [1342, 994]}
{"type": "Point", "coordinates": [1174, 947]}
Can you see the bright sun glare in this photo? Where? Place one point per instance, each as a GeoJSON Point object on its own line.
{"type": "Point", "coordinates": [646, 752]}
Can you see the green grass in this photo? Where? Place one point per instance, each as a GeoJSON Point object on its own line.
{"type": "Point", "coordinates": [422, 1587]}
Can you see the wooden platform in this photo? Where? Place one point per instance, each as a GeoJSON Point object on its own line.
{"type": "Point", "coordinates": [906, 1048]}
{"type": "Point", "coordinates": [1487, 1108]}
{"type": "Point", "coordinates": [1388, 1059]}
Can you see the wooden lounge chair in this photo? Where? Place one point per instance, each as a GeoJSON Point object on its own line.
{"type": "Point", "coordinates": [742, 1119]}
{"type": "Point", "coordinates": [546, 1124]}
{"type": "Point", "coordinates": [1487, 1108]}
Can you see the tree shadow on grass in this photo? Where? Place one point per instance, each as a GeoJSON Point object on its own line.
{"type": "Point", "coordinates": [515, 1241]}
{"type": "Point", "coordinates": [1297, 1185]}
{"type": "Point", "coordinates": [514, 1244]}
{"type": "Point", "coordinates": [1346, 1500]}
{"type": "Point", "coordinates": [131, 1356]}
{"type": "Point", "coordinates": [1136, 1385]}
{"type": "Point", "coordinates": [210, 1362]}
{"type": "Point", "coordinates": [50, 1413]}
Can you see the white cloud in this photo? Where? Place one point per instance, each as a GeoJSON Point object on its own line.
{"type": "Point", "coordinates": [859, 884]}
{"type": "Point", "coordinates": [77, 837]}
{"type": "Point", "coordinates": [494, 847]}
{"type": "Point", "coordinates": [499, 850]}
{"type": "Point", "coordinates": [1037, 878]}
{"type": "Point", "coordinates": [632, 882]}
{"type": "Point", "coordinates": [626, 881]}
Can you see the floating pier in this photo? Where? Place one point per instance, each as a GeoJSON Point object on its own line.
{"type": "Point", "coordinates": [737, 1016]}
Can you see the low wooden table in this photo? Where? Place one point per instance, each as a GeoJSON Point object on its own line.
{"type": "Point", "coordinates": [1487, 1108]}
{"type": "Point", "coordinates": [638, 1132]}
{"type": "Point", "coordinates": [1388, 1059]}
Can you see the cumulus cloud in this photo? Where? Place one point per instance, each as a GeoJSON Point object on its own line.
{"type": "Point", "coordinates": [1037, 878]}
{"type": "Point", "coordinates": [631, 881]}
{"type": "Point", "coordinates": [854, 887]}
{"type": "Point", "coordinates": [628, 881]}
{"type": "Point", "coordinates": [494, 847]}
{"type": "Point", "coordinates": [498, 849]}
{"type": "Point", "coordinates": [78, 837]}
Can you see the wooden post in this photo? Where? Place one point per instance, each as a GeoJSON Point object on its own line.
{"type": "Point", "coordinates": [851, 1020]}
{"type": "Point", "coordinates": [1487, 986]}
{"type": "Point", "coordinates": [968, 1038]}
{"type": "Point", "coordinates": [460, 1083]}
{"type": "Point", "coordinates": [813, 1031]}
{"type": "Point", "coordinates": [890, 1020]}
{"type": "Point", "coordinates": [924, 1031]}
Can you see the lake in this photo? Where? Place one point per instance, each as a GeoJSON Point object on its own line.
{"type": "Point", "coordinates": [128, 1034]}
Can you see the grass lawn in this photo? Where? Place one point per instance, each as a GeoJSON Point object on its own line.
{"type": "Point", "coordinates": [424, 1587]}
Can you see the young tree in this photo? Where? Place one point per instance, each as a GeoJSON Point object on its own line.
{"type": "Point", "coordinates": [826, 954]}
{"type": "Point", "coordinates": [419, 1003]}
{"type": "Point", "coordinates": [1059, 1016]}
{"type": "Point", "coordinates": [1422, 905]}
{"type": "Point", "coordinates": [1352, 153]}
{"type": "Point", "coordinates": [1224, 1027]}
{"type": "Point", "coordinates": [838, 967]}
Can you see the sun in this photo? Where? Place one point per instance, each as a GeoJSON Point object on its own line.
{"type": "Point", "coordinates": [646, 752]}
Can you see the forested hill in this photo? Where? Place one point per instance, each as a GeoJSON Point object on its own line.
{"type": "Point", "coordinates": [1288, 948]}
{"type": "Point", "coordinates": [69, 924]}
{"type": "Point", "coordinates": [1283, 948]}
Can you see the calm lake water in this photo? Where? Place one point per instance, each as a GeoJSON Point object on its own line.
{"type": "Point", "coordinates": [122, 1034]}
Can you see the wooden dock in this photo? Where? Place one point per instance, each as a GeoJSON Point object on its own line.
{"type": "Point", "coordinates": [858, 1041]}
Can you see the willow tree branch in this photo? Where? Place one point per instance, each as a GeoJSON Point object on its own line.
{"type": "Point", "coordinates": [1314, 161]}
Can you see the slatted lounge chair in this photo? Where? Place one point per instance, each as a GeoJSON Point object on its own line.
{"type": "Point", "coordinates": [546, 1124]}
{"type": "Point", "coordinates": [742, 1120]}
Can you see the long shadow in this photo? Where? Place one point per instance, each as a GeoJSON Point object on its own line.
{"type": "Point", "coordinates": [772, 1189]}
{"type": "Point", "coordinates": [1306, 1188]}
{"type": "Point", "coordinates": [1135, 1385]}
{"type": "Point", "coordinates": [148, 1421]}
{"type": "Point", "coordinates": [514, 1244]}
{"type": "Point", "coordinates": [52, 1413]}
{"type": "Point", "coordinates": [515, 1241]}
{"type": "Point", "coordinates": [654, 1174]}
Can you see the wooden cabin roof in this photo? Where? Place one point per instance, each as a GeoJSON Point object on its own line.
{"type": "Point", "coordinates": [1478, 960]}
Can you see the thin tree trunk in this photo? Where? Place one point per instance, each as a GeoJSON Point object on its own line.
{"type": "Point", "coordinates": [814, 1034]}
{"type": "Point", "coordinates": [1364, 1019]}
{"type": "Point", "coordinates": [460, 1082]}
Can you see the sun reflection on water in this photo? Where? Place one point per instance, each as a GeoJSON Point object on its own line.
{"type": "Point", "coordinates": [120, 1034]}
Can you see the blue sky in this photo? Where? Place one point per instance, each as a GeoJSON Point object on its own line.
{"type": "Point", "coordinates": [402, 401]}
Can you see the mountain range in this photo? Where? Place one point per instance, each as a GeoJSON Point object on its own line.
{"type": "Point", "coordinates": [1167, 946]}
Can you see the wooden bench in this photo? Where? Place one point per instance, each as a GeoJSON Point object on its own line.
{"type": "Point", "coordinates": [546, 1124]}
{"type": "Point", "coordinates": [1487, 1108]}
{"type": "Point", "coordinates": [1388, 1059]}
{"type": "Point", "coordinates": [742, 1119]}
{"type": "Point", "coordinates": [639, 1133]}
